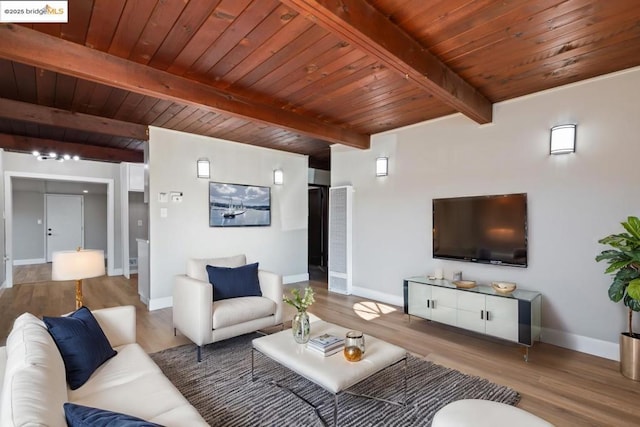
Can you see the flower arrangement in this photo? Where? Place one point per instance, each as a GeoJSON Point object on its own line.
{"type": "Point", "coordinates": [298, 301]}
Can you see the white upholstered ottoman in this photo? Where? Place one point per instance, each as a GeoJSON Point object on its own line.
{"type": "Point", "coordinates": [484, 413]}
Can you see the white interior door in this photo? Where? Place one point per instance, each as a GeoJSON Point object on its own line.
{"type": "Point", "coordinates": [64, 223]}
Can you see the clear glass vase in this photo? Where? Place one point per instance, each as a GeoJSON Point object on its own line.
{"type": "Point", "coordinates": [301, 327]}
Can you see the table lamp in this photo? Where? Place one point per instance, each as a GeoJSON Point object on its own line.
{"type": "Point", "coordinates": [77, 265]}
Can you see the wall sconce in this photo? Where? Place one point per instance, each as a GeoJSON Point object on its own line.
{"type": "Point", "coordinates": [563, 139]}
{"type": "Point", "coordinates": [204, 169]}
{"type": "Point", "coordinates": [278, 177]}
{"type": "Point", "coordinates": [382, 166]}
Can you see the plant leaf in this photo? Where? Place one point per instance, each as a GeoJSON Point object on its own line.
{"type": "Point", "coordinates": [617, 266]}
{"type": "Point", "coordinates": [633, 304]}
{"type": "Point", "coordinates": [616, 290]}
{"type": "Point", "coordinates": [632, 225]}
{"type": "Point", "coordinates": [633, 290]}
{"type": "Point", "coordinates": [609, 254]}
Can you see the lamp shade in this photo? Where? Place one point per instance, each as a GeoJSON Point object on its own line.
{"type": "Point", "coordinates": [77, 265]}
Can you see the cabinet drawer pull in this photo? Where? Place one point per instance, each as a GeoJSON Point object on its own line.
{"type": "Point", "coordinates": [487, 315]}
{"type": "Point", "coordinates": [428, 303]}
{"type": "Point", "coordinates": [482, 314]}
{"type": "Point", "coordinates": [433, 303]}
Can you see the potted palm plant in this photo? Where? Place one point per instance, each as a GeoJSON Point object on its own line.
{"type": "Point", "coordinates": [624, 264]}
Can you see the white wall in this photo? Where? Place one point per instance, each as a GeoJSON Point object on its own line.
{"type": "Point", "coordinates": [573, 200]}
{"type": "Point", "coordinates": [185, 232]}
{"type": "Point", "coordinates": [28, 235]}
{"type": "Point", "coordinates": [2, 230]}
{"type": "Point", "coordinates": [138, 214]}
{"type": "Point", "coordinates": [95, 221]}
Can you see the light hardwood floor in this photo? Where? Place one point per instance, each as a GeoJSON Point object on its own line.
{"type": "Point", "coordinates": [565, 387]}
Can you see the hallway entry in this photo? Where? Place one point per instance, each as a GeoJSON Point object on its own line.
{"type": "Point", "coordinates": [318, 233]}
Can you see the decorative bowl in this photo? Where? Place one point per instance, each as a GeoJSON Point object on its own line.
{"type": "Point", "coordinates": [465, 284]}
{"type": "Point", "coordinates": [503, 287]}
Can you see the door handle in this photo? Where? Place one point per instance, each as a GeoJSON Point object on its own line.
{"type": "Point", "coordinates": [48, 234]}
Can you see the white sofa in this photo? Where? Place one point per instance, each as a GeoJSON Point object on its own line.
{"type": "Point", "coordinates": [205, 321]}
{"type": "Point", "coordinates": [34, 387]}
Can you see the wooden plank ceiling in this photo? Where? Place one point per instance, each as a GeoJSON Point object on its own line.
{"type": "Point", "coordinates": [294, 75]}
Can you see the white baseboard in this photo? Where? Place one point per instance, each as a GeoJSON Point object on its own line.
{"type": "Point", "coordinates": [378, 296]}
{"type": "Point", "coordinates": [596, 347]}
{"type": "Point", "coordinates": [134, 271]}
{"type": "Point", "coordinates": [117, 272]}
{"type": "Point", "coordinates": [295, 278]}
{"type": "Point", "coordinates": [29, 261]}
{"type": "Point", "coordinates": [158, 303]}
{"type": "Point", "coordinates": [145, 300]}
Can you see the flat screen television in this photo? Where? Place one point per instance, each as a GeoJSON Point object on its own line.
{"type": "Point", "coordinates": [486, 229]}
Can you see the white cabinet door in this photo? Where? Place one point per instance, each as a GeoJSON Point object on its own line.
{"type": "Point", "coordinates": [471, 311]}
{"type": "Point", "coordinates": [136, 176]}
{"type": "Point", "coordinates": [502, 320]}
{"type": "Point", "coordinates": [419, 300]}
{"type": "Point", "coordinates": [443, 305]}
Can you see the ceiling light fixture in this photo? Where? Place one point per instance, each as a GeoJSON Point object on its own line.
{"type": "Point", "coordinates": [52, 155]}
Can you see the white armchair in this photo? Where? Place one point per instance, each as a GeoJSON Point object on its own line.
{"type": "Point", "coordinates": [205, 321]}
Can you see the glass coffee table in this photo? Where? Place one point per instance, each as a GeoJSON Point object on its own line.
{"type": "Point", "coordinates": [333, 373]}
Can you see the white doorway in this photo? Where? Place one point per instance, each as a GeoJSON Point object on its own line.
{"type": "Point", "coordinates": [64, 223]}
{"type": "Point", "coordinates": [8, 208]}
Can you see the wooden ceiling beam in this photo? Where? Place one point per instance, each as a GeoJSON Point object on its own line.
{"type": "Point", "coordinates": [34, 48]}
{"type": "Point", "coordinates": [363, 26]}
{"type": "Point", "coordinates": [49, 116]}
{"type": "Point", "coordinates": [86, 152]}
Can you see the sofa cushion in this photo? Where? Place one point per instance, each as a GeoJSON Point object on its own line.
{"type": "Point", "coordinates": [131, 383]}
{"type": "Point", "coordinates": [131, 364]}
{"type": "Point", "coordinates": [197, 267]}
{"type": "Point", "coordinates": [234, 282]}
{"type": "Point", "coordinates": [34, 387]}
{"type": "Point", "coordinates": [233, 311]}
{"type": "Point", "coordinates": [85, 416]}
{"type": "Point", "coordinates": [82, 344]}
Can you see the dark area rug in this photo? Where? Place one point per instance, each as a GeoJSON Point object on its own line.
{"type": "Point", "coordinates": [221, 389]}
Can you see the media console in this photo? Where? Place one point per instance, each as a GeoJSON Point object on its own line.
{"type": "Point", "coordinates": [513, 317]}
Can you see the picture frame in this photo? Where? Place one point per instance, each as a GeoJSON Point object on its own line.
{"type": "Point", "coordinates": [239, 205]}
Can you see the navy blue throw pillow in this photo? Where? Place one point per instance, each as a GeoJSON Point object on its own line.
{"type": "Point", "coordinates": [82, 344]}
{"type": "Point", "coordinates": [85, 416]}
{"type": "Point", "coordinates": [234, 282]}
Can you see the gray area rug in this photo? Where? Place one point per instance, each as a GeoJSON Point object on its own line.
{"type": "Point", "coordinates": [221, 389]}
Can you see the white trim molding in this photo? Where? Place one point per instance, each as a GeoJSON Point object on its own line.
{"type": "Point", "coordinates": [158, 303]}
{"type": "Point", "coordinates": [378, 296]}
{"type": "Point", "coordinates": [29, 261]}
{"type": "Point", "coordinates": [295, 278]}
{"type": "Point", "coordinates": [593, 346]}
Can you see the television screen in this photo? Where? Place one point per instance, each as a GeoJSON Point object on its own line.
{"type": "Point", "coordinates": [238, 205]}
{"type": "Point", "coordinates": [486, 229]}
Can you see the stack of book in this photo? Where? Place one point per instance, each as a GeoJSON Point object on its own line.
{"type": "Point", "coordinates": [326, 344]}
